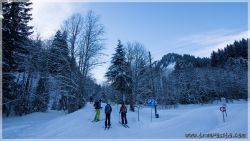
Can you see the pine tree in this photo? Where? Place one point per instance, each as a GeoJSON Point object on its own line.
{"type": "Point", "coordinates": [144, 89]}
{"type": "Point", "coordinates": [58, 55]}
{"type": "Point", "coordinates": [236, 50]}
{"type": "Point", "coordinates": [16, 31]}
{"type": "Point", "coordinates": [40, 102]}
{"type": "Point", "coordinates": [118, 72]}
{"type": "Point", "coordinates": [59, 66]}
{"type": "Point", "coordinates": [66, 74]}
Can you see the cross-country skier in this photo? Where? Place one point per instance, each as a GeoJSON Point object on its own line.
{"type": "Point", "coordinates": [123, 111]}
{"type": "Point", "coordinates": [97, 106]}
{"type": "Point", "coordinates": [108, 110]}
{"type": "Point", "coordinates": [91, 99]}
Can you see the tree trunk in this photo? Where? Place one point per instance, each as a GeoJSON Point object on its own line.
{"type": "Point", "coordinates": [123, 97]}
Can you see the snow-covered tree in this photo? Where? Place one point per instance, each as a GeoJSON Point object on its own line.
{"type": "Point", "coordinates": [118, 72]}
{"type": "Point", "coordinates": [58, 55]}
{"type": "Point", "coordinates": [41, 98]}
{"type": "Point", "coordinates": [90, 48]}
{"type": "Point", "coordinates": [74, 27]}
{"type": "Point", "coordinates": [59, 66]}
{"type": "Point", "coordinates": [137, 58]}
{"type": "Point", "coordinates": [16, 31]}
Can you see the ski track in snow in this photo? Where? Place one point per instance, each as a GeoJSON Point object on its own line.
{"type": "Point", "coordinates": [173, 123]}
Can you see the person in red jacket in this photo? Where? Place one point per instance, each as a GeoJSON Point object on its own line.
{"type": "Point", "coordinates": [123, 111]}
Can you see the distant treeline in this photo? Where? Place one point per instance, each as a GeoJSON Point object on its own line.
{"type": "Point", "coordinates": [190, 80]}
{"type": "Point", "coordinates": [203, 80]}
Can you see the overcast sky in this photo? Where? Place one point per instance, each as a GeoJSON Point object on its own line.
{"type": "Point", "coordinates": [184, 28]}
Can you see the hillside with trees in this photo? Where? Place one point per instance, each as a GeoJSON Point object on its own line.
{"type": "Point", "coordinates": [185, 79]}
{"type": "Point", "coordinates": [48, 74]}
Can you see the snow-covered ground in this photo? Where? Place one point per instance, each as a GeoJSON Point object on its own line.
{"type": "Point", "coordinates": [173, 123]}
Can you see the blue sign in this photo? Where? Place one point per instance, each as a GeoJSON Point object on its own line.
{"type": "Point", "coordinates": [151, 102]}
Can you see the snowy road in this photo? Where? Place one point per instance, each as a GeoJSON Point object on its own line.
{"type": "Point", "coordinates": [173, 123]}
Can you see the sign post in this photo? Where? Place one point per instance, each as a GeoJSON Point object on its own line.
{"type": "Point", "coordinates": [138, 112]}
{"type": "Point", "coordinates": [223, 110]}
{"type": "Point", "coordinates": [151, 103]}
{"type": "Point", "coordinates": [151, 114]}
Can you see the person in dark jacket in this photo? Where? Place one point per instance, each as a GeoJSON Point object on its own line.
{"type": "Point", "coordinates": [108, 110]}
{"type": "Point", "coordinates": [91, 99]}
{"type": "Point", "coordinates": [97, 106]}
{"type": "Point", "coordinates": [123, 111]}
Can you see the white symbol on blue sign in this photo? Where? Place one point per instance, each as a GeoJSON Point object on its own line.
{"type": "Point", "coordinates": [151, 102]}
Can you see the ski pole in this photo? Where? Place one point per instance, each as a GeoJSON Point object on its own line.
{"type": "Point", "coordinates": [119, 117]}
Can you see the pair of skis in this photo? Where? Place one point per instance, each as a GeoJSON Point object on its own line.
{"type": "Point", "coordinates": [107, 128]}
{"type": "Point", "coordinates": [124, 125]}
{"type": "Point", "coordinates": [97, 120]}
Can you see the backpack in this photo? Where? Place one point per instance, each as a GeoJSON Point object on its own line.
{"type": "Point", "coordinates": [97, 105]}
{"type": "Point", "coordinates": [123, 109]}
{"type": "Point", "coordinates": [108, 109]}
